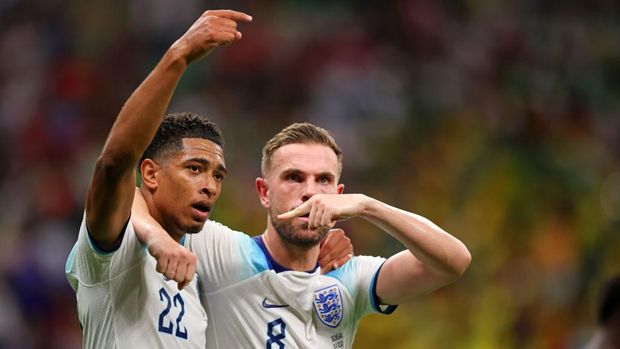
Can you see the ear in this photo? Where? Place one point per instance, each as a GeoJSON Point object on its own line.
{"type": "Point", "coordinates": [149, 170]}
{"type": "Point", "coordinates": [262, 187]}
{"type": "Point", "coordinates": [340, 188]}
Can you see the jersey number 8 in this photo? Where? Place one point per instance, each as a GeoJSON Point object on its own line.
{"type": "Point", "coordinates": [276, 336]}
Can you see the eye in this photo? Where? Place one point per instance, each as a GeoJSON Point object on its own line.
{"type": "Point", "coordinates": [194, 168]}
{"type": "Point", "coordinates": [218, 177]}
{"type": "Point", "coordinates": [293, 177]}
{"type": "Point", "coordinates": [324, 180]}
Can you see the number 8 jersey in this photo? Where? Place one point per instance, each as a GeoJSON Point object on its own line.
{"type": "Point", "coordinates": [124, 303]}
{"type": "Point", "coordinates": [254, 303]}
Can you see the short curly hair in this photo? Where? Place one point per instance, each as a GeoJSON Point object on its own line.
{"type": "Point", "coordinates": [176, 126]}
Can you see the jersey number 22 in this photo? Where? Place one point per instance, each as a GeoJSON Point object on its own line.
{"type": "Point", "coordinates": [178, 302]}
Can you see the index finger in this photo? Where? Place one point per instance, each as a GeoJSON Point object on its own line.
{"type": "Point", "coordinates": [231, 14]}
{"type": "Point", "coordinates": [296, 212]}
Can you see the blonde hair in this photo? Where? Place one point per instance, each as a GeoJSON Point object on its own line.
{"type": "Point", "coordinates": [299, 133]}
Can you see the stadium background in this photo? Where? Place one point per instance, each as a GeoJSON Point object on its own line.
{"type": "Point", "coordinates": [499, 120]}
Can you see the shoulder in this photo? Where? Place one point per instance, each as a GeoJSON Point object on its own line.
{"type": "Point", "coordinates": [217, 235]}
{"type": "Point", "coordinates": [89, 264]}
{"type": "Point", "coordinates": [358, 268]}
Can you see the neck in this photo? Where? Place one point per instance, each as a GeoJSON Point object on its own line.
{"type": "Point", "coordinates": [288, 255]}
{"type": "Point", "coordinates": [167, 224]}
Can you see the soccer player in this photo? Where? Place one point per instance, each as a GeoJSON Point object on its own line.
{"type": "Point", "coordinates": [270, 285]}
{"type": "Point", "coordinates": [122, 301]}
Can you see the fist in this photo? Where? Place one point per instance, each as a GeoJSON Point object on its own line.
{"type": "Point", "coordinates": [174, 261]}
{"type": "Point", "coordinates": [212, 29]}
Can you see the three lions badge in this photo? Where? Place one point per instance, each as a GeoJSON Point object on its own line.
{"type": "Point", "coordinates": [328, 305]}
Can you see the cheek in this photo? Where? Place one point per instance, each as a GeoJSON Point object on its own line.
{"type": "Point", "coordinates": [329, 189]}
{"type": "Point", "coordinates": [218, 190]}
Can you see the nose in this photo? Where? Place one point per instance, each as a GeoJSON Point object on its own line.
{"type": "Point", "coordinates": [309, 190]}
{"type": "Point", "coordinates": [209, 186]}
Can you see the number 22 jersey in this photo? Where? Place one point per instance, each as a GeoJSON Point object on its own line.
{"type": "Point", "coordinates": [123, 302]}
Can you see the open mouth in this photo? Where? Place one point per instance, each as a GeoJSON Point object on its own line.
{"type": "Point", "coordinates": [202, 209]}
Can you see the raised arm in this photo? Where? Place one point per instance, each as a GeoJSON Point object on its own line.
{"type": "Point", "coordinates": [110, 195]}
{"type": "Point", "coordinates": [433, 257]}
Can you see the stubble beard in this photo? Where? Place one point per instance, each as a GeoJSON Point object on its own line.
{"type": "Point", "coordinates": [293, 234]}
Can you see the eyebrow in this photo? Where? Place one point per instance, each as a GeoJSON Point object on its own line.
{"type": "Point", "coordinates": [206, 162]}
{"type": "Point", "coordinates": [299, 172]}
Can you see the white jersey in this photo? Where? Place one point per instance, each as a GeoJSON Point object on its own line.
{"type": "Point", "coordinates": [124, 303]}
{"type": "Point", "coordinates": [251, 305]}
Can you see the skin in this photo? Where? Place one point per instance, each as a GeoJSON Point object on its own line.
{"type": "Point", "coordinates": [433, 258]}
{"type": "Point", "coordinates": [174, 184]}
{"type": "Point", "coordinates": [110, 194]}
{"type": "Point", "coordinates": [111, 191]}
{"type": "Point", "coordinates": [298, 172]}
{"type": "Point", "coordinates": [174, 187]}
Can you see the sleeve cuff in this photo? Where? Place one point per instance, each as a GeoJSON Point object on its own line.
{"type": "Point", "coordinates": [101, 251]}
{"type": "Point", "coordinates": [374, 299]}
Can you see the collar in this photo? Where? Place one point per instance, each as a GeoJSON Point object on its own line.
{"type": "Point", "coordinates": [273, 265]}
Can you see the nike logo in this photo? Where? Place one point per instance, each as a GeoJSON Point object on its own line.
{"type": "Point", "coordinates": [269, 305]}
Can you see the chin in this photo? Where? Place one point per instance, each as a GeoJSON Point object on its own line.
{"type": "Point", "coordinates": [195, 228]}
{"type": "Point", "coordinates": [300, 235]}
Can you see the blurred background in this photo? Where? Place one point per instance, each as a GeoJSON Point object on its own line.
{"type": "Point", "coordinates": [498, 120]}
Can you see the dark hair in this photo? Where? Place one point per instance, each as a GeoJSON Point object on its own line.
{"type": "Point", "coordinates": [609, 300]}
{"type": "Point", "coordinates": [174, 127]}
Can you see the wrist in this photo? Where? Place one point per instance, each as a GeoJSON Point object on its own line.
{"type": "Point", "coordinates": [175, 58]}
{"type": "Point", "coordinates": [370, 206]}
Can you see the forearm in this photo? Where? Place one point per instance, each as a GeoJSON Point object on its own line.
{"type": "Point", "coordinates": [147, 229]}
{"type": "Point", "coordinates": [141, 115]}
{"type": "Point", "coordinates": [110, 193]}
{"type": "Point", "coordinates": [430, 244]}
{"type": "Point", "coordinates": [174, 261]}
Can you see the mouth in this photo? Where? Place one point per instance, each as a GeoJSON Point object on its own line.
{"type": "Point", "coordinates": [304, 218]}
{"type": "Point", "coordinates": [201, 210]}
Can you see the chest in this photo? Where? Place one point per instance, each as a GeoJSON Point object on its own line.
{"type": "Point", "coordinates": [272, 309]}
{"type": "Point", "coordinates": [147, 301]}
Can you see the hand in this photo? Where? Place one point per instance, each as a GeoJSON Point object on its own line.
{"type": "Point", "coordinates": [335, 251]}
{"type": "Point", "coordinates": [326, 209]}
{"type": "Point", "coordinates": [212, 29]}
{"type": "Point", "coordinates": [173, 260]}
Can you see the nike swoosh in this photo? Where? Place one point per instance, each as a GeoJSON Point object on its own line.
{"type": "Point", "coordinates": [268, 305]}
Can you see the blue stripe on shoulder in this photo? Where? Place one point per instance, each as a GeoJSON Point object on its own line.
{"type": "Point", "coordinates": [346, 275]}
{"type": "Point", "coordinates": [253, 254]}
{"type": "Point", "coordinates": [70, 259]}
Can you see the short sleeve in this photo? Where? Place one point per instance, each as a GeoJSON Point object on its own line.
{"type": "Point", "coordinates": [359, 276]}
{"type": "Point", "coordinates": [88, 265]}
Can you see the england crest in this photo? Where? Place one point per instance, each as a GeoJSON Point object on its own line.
{"type": "Point", "coordinates": [328, 305]}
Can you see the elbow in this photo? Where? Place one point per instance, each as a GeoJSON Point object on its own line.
{"type": "Point", "coordinates": [115, 163]}
{"type": "Point", "coordinates": [465, 261]}
{"type": "Point", "coordinates": [460, 263]}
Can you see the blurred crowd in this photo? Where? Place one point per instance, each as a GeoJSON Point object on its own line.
{"type": "Point", "coordinates": [498, 120]}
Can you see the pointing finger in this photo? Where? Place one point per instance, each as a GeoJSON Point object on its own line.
{"type": "Point", "coordinates": [296, 212]}
{"type": "Point", "coordinates": [230, 14]}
